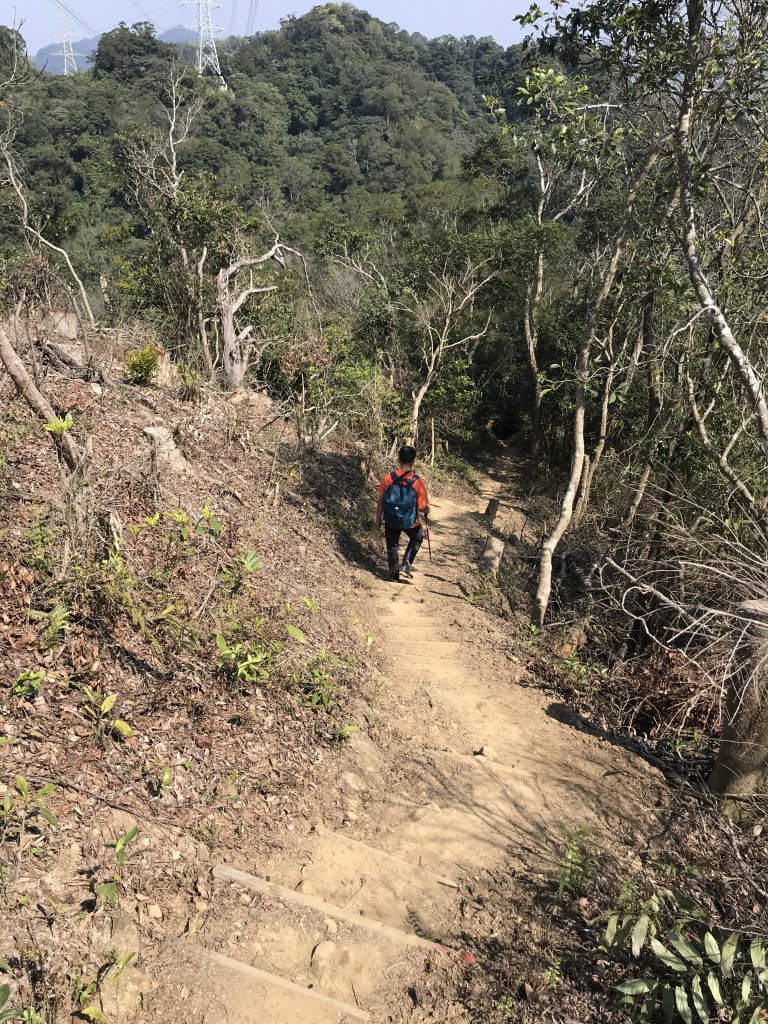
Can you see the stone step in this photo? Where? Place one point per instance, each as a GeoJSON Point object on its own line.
{"type": "Point", "coordinates": [379, 885]}
{"type": "Point", "coordinates": [226, 873]}
{"type": "Point", "coordinates": [255, 996]}
{"type": "Point", "coordinates": [309, 942]}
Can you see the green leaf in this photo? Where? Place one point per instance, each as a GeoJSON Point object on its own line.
{"type": "Point", "coordinates": [108, 892]}
{"type": "Point", "coordinates": [668, 1003]}
{"type": "Point", "coordinates": [610, 929]}
{"type": "Point", "coordinates": [50, 818]}
{"type": "Point", "coordinates": [686, 949]}
{"type": "Point", "coordinates": [21, 785]}
{"type": "Point", "coordinates": [682, 1005]}
{"type": "Point", "coordinates": [712, 948]}
{"type": "Point", "coordinates": [46, 790]}
{"type": "Point", "coordinates": [730, 946]}
{"type": "Point", "coordinates": [746, 987]}
{"type": "Point", "coordinates": [5, 994]}
{"type": "Point", "coordinates": [93, 1013]}
{"type": "Point", "coordinates": [122, 727]}
{"type": "Point", "coordinates": [714, 988]}
{"type": "Point", "coordinates": [640, 934]}
{"type": "Point", "coordinates": [129, 836]}
{"type": "Point", "coordinates": [667, 958]}
{"type": "Point", "coordinates": [758, 1014]}
{"type": "Point", "coordinates": [108, 703]}
{"type": "Point", "coordinates": [5, 967]}
{"type": "Point", "coordinates": [9, 1015]}
{"type": "Point", "coordinates": [700, 1004]}
{"type": "Point", "coordinates": [222, 644]}
{"type": "Point", "coordinates": [757, 954]}
{"type": "Point", "coordinates": [296, 633]}
{"type": "Point", "coordinates": [637, 986]}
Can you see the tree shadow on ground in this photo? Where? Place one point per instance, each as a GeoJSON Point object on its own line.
{"type": "Point", "coordinates": [332, 481]}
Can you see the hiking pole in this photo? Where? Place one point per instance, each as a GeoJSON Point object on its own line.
{"type": "Point", "coordinates": [429, 543]}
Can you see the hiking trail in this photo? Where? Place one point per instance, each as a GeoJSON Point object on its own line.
{"type": "Point", "coordinates": [343, 926]}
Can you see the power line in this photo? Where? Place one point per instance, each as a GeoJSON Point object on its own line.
{"type": "Point", "coordinates": [232, 18]}
{"type": "Point", "coordinates": [76, 17]}
{"type": "Point", "coordinates": [250, 23]}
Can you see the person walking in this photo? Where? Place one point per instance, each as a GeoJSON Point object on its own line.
{"type": "Point", "coordinates": [402, 499]}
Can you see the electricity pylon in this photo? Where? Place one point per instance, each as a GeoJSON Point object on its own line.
{"type": "Point", "coordinates": [207, 57]}
{"type": "Point", "coordinates": [70, 65]}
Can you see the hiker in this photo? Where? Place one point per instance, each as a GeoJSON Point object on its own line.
{"type": "Point", "coordinates": [402, 499]}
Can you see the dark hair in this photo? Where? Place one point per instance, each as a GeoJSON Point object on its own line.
{"type": "Point", "coordinates": [407, 455]}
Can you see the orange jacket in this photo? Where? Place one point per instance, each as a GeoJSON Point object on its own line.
{"type": "Point", "coordinates": [422, 501]}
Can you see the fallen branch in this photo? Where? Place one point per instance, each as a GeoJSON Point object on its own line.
{"type": "Point", "coordinates": [37, 402]}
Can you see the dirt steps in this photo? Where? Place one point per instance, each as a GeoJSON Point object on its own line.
{"type": "Point", "coordinates": [338, 929]}
{"type": "Point", "coordinates": [332, 944]}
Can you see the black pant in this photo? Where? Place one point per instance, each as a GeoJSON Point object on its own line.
{"type": "Point", "coordinates": [415, 536]}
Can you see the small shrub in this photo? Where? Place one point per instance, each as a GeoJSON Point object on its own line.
{"type": "Point", "coordinates": [579, 863]}
{"type": "Point", "coordinates": [141, 365]}
{"type": "Point", "coordinates": [699, 969]}
{"type": "Point", "coordinates": [190, 384]}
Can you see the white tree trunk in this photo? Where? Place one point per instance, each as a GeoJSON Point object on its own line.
{"type": "Point", "coordinates": [745, 371]}
{"type": "Point", "coordinates": [544, 589]}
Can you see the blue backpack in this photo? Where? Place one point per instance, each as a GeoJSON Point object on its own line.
{"type": "Point", "coordinates": [399, 502]}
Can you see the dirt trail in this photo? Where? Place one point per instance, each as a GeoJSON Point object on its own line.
{"type": "Point", "coordinates": [424, 813]}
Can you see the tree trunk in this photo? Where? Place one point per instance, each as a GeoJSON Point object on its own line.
{"type": "Point", "coordinates": [531, 327]}
{"type": "Point", "coordinates": [418, 398]}
{"type": "Point", "coordinates": [745, 371]}
{"type": "Point", "coordinates": [639, 492]}
{"type": "Point", "coordinates": [541, 601]}
{"type": "Point", "coordinates": [741, 769]}
{"type": "Point", "coordinates": [235, 358]}
{"type": "Point", "coordinates": [39, 404]}
{"type": "Point", "coordinates": [597, 455]}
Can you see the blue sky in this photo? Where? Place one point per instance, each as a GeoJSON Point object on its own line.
{"type": "Point", "coordinates": [431, 17]}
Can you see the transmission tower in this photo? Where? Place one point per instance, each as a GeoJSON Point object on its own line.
{"type": "Point", "coordinates": [70, 65]}
{"type": "Point", "coordinates": [207, 57]}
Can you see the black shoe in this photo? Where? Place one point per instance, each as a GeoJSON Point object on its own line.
{"type": "Point", "coordinates": [395, 577]}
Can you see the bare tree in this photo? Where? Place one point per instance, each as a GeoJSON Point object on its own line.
{"type": "Point", "coordinates": [441, 322]}
{"type": "Point", "coordinates": [13, 180]}
{"type": "Point", "coordinates": [231, 297]}
{"type": "Point", "coordinates": [551, 541]}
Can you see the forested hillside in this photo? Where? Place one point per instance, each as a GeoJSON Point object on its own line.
{"type": "Point", "coordinates": [369, 237]}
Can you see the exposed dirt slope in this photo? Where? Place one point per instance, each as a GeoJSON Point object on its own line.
{"type": "Point", "coordinates": [469, 768]}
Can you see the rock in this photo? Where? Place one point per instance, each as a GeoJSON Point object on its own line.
{"type": "Point", "coordinates": [95, 389]}
{"type": "Point", "coordinates": [63, 323]}
{"type": "Point", "coordinates": [245, 899]}
{"type": "Point", "coordinates": [488, 753]}
{"type": "Point", "coordinates": [125, 934]}
{"type": "Point", "coordinates": [166, 452]}
{"type": "Point", "coordinates": [322, 955]}
{"type": "Point", "coordinates": [121, 999]}
{"type": "Point", "coordinates": [330, 926]}
{"type": "Point", "coordinates": [154, 911]}
{"type": "Point", "coordinates": [354, 782]}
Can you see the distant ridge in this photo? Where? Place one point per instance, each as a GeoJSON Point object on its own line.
{"type": "Point", "coordinates": [49, 59]}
